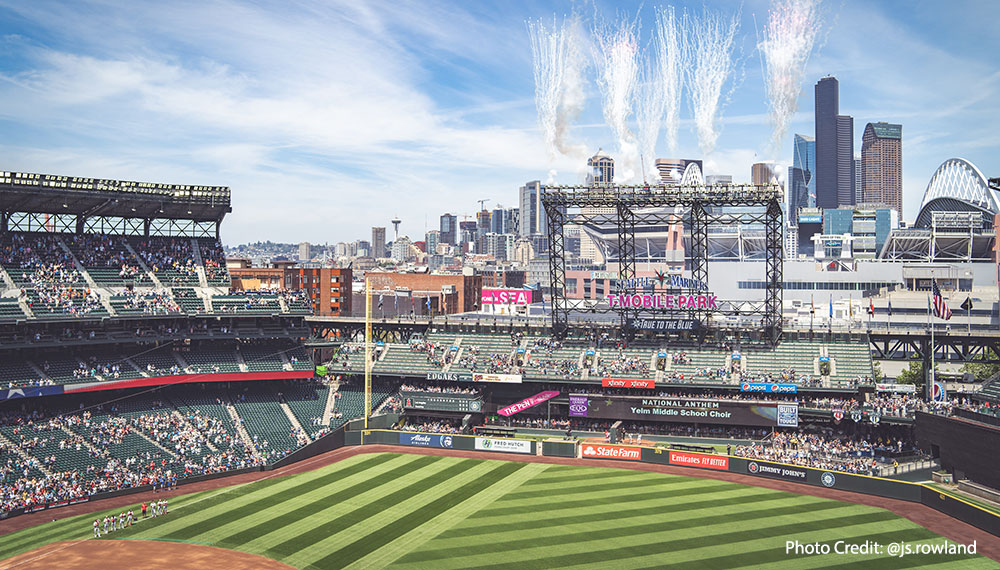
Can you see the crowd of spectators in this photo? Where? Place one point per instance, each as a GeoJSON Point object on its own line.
{"type": "Point", "coordinates": [440, 388]}
{"type": "Point", "coordinates": [149, 302]}
{"type": "Point", "coordinates": [162, 253]}
{"type": "Point", "coordinates": [851, 455]}
{"type": "Point", "coordinates": [99, 250]}
{"type": "Point", "coordinates": [429, 425]}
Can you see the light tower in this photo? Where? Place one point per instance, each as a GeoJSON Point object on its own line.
{"type": "Point", "coordinates": [395, 228]}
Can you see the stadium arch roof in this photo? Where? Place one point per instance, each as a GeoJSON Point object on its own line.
{"type": "Point", "coordinates": [957, 186]}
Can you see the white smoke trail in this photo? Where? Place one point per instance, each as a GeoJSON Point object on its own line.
{"type": "Point", "coordinates": [617, 57]}
{"type": "Point", "coordinates": [709, 42]}
{"type": "Point", "coordinates": [649, 110]}
{"type": "Point", "coordinates": [786, 43]}
{"type": "Point", "coordinates": [669, 57]}
{"type": "Point", "coordinates": [559, 64]}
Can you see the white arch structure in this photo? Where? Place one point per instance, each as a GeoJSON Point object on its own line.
{"type": "Point", "coordinates": [958, 180]}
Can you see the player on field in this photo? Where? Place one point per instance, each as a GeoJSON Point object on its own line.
{"type": "Point", "coordinates": [97, 529]}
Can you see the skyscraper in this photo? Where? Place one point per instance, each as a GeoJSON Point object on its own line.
{"type": "Point", "coordinates": [834, 148]}
{"type": "Point", "coordinates": [802, 176]}
{"type": "Point", "coordinates": [602, 169]}
{"type": "Point", "coordinates": [378, 242]}
{"type": "Point", "coordinates": [763, 173]}
{"type": "Point", "coordinates": [532, 212]}
{"type": "Point", "coordinates": [845, 160]}
{"type": "Point", "coordinates": [858, 199]}
{"type": "Point", "coordinates": [882, 165]}
{"type": "Point", "coordinates": [449, 229]}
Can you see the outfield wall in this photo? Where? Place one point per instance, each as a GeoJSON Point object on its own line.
{"type": "Point", "coordinates": [878, 486]}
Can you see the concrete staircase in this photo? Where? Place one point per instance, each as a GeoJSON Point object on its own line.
{"type": "Point", "coordinates": [142, 264]}
{"type": "Point", "coordinates": [180, 418]}
{"type": "Point", "coordinates": [7, 281]}
{"type": "Point", "coordinates": [331, 403]}
{"type": "Point", "coordinates": [84, 441]}
{"type": "Point", "coordinates": [242, 431]}
{"type": "Point", "coordinates": [200, 265]}
{"type": "Point", "coordinates": [28, 459]}
{"type": "Point", "coordinates": [295, 421]}
{"type": "Point", "coordinates": [155, 443]}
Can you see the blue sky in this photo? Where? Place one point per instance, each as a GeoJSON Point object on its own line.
{"type": "Point", "coordinates": [327, 118]}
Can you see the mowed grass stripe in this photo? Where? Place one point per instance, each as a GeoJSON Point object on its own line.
{"type": "Point", "coordinates": [73, 528]}
{"type": "Point", "coordinates": [285, 519]}
{"type": "Point", "coordinates": [370, 509]}
{"type": "Point", "coordinates": [622, 529]}
{"type": "Point", "coordinates": [655, 546]}
{"type": "Point", "coordinates": [450, 519]}
{"type": "Point", "coordinates": [277, 498]}
{"type": "Point", "coordinates": [595, 488]}
{"type": "Point", "coordinates": [374, 540]}
{"type": "Point", "coordinates": [769, 556]}
{"type": "Point", "coordinates": [601, 498]}
{"type": "Point", "coordinates": [587, 475]}
{"type": "Point", "coordinates": [537, 523]}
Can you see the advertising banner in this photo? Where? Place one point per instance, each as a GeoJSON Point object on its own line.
{"type": "Point", "coordinates": [778, 471]}
{"type": "Point", "coordinates": [688, 459]}
{"type": "Point", "coordinates": [693, 410]}
{"type": "Point", "coordinates": [449, 376]}
{"type": "Point", "coordinates": [426, 440]}
{"type": "Point", "coordinates": [901, 388]}
{"type": "Point", "coordinates": [438, 402]}
{"type": "Point", "coordinates": [497, 378]}
{"type": "Point", "coordinates": [628, 383]}
{"type": "Point", "coordinates": [503, 445]}
{"type": "Point", "coordinates": [664, 324]}
{"type": "Point", "coordinates": [602, 451]}
{"type": "Point", "coordinates": [521, 297]}
{"type": "Point", "coordinates": [527, 403]}
{"type": "Point", "coordinates": [578, 406]}
{"type": "Point", "coordinates": [678, 302]}
{"type": "Point", "coordinates": [767, 388]}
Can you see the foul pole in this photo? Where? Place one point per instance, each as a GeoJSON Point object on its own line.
{"type": "Point", "coordinates": [368, 350]}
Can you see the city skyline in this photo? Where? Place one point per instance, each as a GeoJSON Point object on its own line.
{"type": "Point", "coordinates": [439, 102]}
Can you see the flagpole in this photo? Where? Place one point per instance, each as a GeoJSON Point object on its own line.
{"type": "Point", "coordinates": [930, 323]}
{"type": "Point", "coordinates": [368, 350]}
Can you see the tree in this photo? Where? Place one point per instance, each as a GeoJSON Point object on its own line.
{"type": "Point", "coordinates": [982, 370]}
{"type": "Point", "coordinates": [877, 372]}
{"type": "Point", "coordinates": [912, 375]}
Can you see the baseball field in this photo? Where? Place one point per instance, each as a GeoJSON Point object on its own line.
{"type": "Point", "coordinates": [411, 511]}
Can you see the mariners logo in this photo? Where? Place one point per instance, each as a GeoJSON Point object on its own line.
{"type": "Point", "coordinates": [828, 479]}
{"type": "Point", "coordinates": [753, 467]}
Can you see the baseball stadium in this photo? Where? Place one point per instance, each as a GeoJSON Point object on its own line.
{"type": "Point", "coordinates": [157, 412]}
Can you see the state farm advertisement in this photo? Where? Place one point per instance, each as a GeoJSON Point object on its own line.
{"type": "Point", "coordinates": [601, 451]}
{"type": "Point", "coordinates": [686, 459]}
{"type": "Point", "coordinates": [527, 403]}
{"type": "Point", "coordinates": [627, 383]}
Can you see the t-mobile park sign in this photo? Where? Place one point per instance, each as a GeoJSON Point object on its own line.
{"type": "Point", "coordinates": [648, 301]}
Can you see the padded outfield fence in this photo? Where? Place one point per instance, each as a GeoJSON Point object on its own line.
{"type": "Point", "coordinates": [878, 486]}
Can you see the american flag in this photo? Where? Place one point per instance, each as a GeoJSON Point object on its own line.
{"type": "Point", "coordinates": [941, 309]}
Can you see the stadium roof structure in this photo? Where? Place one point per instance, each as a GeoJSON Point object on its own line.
{"type": "Point", "coordinates": [52, 194]}
{"type": "Point", "coordinates": [957, 186]}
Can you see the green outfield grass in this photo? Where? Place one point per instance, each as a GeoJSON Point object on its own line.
{"type": "Point", "coordinates": [413, 511]}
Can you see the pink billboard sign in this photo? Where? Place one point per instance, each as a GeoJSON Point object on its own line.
{"type": "Point", "coordinates": [527, 403]}
{"type": "Point", "coordinates": [506, 297]}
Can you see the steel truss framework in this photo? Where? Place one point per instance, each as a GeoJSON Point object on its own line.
{"type": "Point", "coordinates": [630, 205]}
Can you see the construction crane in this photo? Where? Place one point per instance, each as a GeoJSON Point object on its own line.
{"type": "Point", "coordinates": [482, 203]}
